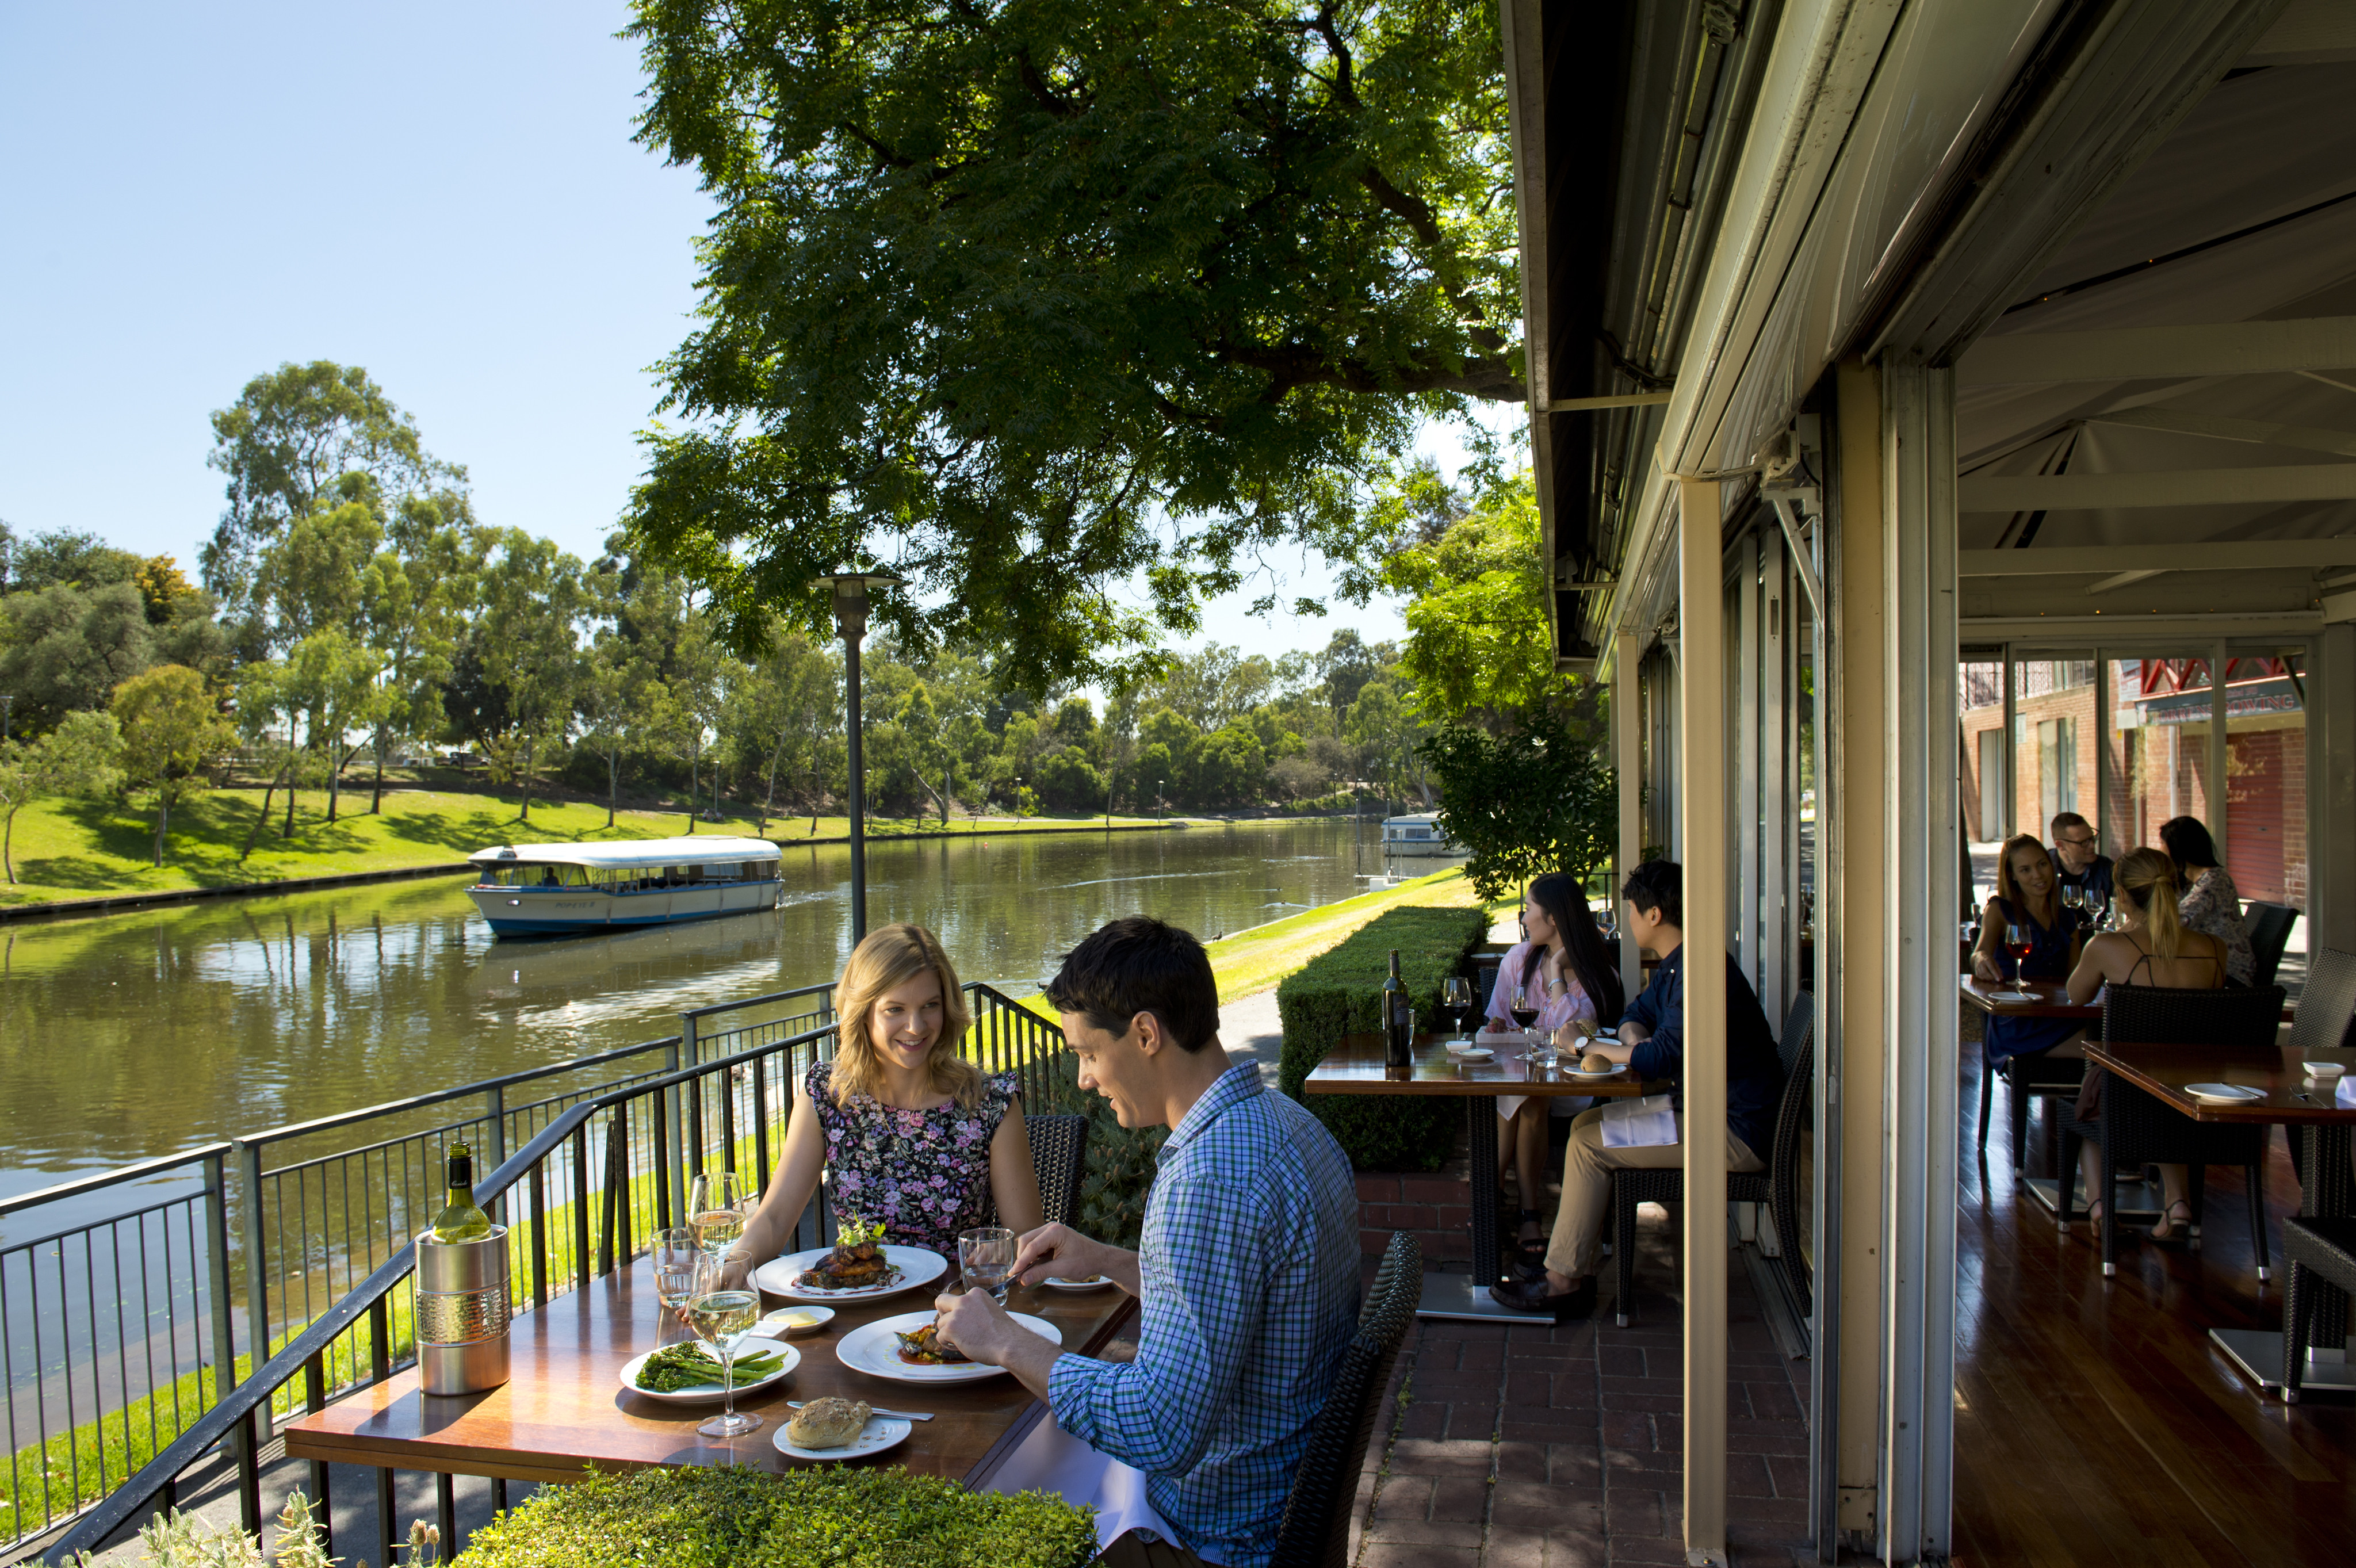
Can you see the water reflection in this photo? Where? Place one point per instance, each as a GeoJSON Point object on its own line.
{"type": "Point", "coordinates": [137, 1035]}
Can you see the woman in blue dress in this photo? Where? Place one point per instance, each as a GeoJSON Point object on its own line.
{"type": "Point", "coordinates": [2026, 895]}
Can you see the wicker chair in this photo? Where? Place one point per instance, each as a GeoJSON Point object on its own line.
{"type": "Point", "coordinates": [2321, 1255]}
{"type": "Point", "coordinates": [2037, 1075]}
{"type": "Point", "coordinates": [2135, 1128]}
{"type": "Point", "coordinates": [2269, 926]}
{"type": "Point", "coordinates": [1059, 1153]}
{"type": "Point", "coordinates": [2326, 1003]}
{"type": "Point", "coordinates": [1777, 1186]}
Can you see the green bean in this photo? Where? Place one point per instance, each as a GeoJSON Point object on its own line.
{"type": "Point", "coordinates": [688, 1366]}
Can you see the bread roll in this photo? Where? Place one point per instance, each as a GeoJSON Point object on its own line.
{"type": "Point", "coordinates": [828, 1423]}
{"type": "Point", "coordinates": [1596, 1062]}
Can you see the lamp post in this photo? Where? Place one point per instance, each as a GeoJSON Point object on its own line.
{"type": "Point", "coordinates": [1159, 816]}
{"type": "Point", "coordinates": [7, 700]}
{"type": "Point", "coordinates": [851, 588]}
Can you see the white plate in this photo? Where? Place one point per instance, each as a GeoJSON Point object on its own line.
{"type": "Point", "coordinates": [706, 1394]}
{"type": "Point", "coordinates": [776, 1327]}
{"type": "Point", "coordinates": [881, 1431]}
{"type": "Point", "coordinates": [875, 1349]}
{"type": "Point", "coordinates": [2222, 1093]}
{"type": "Point", "coordinates": [917, 1266]}
{"type": "Point", "coordinates": [1477, 1054]}
{"type": "Point", "coordinates": [2325, 1069]}
{"type": "Point", "coordinates": [1607, 1072]}
{"type": "Point", "coordinates": [1100, 1282]}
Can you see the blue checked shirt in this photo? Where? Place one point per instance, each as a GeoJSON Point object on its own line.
{"type": "Point", "coordinates": [1249, 1287]}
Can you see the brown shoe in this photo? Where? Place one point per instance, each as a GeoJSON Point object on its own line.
{"type": "Point", "coordinates": [1530, 1295]}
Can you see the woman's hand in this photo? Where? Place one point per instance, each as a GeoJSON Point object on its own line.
{"type": "Point", "coordinates": [1983, 967]}
{"type": "Point", "coordinates": [735, 1271]}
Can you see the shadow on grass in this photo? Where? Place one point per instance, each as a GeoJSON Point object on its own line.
{"type": "Point", "coordinates": [79, 871]}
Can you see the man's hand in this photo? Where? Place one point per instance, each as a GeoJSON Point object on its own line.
{"type": "Point", "coordinates": [982, 1331]}
{"type": "Point", "coordinates": [1056, 1249]}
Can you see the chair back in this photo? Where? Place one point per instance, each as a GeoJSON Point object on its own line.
{"type": "Point", "coordinates": [2161, 1015]}
{"type": "Point", "coordinates": [1059, 1155]}
{"type": "Point", "coordinates": [2269, 926]}
{"type": "Point", "coordinates": [1799, 1032]}
{"type": "Point", "coordinates": [2326, 1002]}
{"type": "Point", "coordinates": [1315, 1532]}
{"type": "Point", "coordinates": [1784, 1199]}
{"type": "Point", "coordinates": [1484, 978]}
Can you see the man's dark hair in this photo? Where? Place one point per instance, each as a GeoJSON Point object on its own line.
{"type": "Point", "coordinates": [1140, 964]}
{"type": "Point", "coordinates": [2070, 820]}
{"type": "Point", "coordinates": [1658, 884]}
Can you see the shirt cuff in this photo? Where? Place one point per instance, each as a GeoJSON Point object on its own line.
{"type": "Point", "coordinates": [1070, 1382]}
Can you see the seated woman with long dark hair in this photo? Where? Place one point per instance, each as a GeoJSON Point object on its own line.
{"type": "Point", "coordinates": [918, 1139]}
{"type": "Point", "coordinates": [2206, 895]}
{"type": "Point", "coordinates": [2026, 898]}
{"type": "Point", "coordinates": [1564, 970]}
{"type": "Point", "coordinates": [2151, 947]}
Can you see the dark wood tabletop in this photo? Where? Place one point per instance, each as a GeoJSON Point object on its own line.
{"type": "Point", "coordinates": [2164, 1071]}
{"type": "Point", "coordinates": [1358, 1064]}
{"type": "Point", "coordinates": [2052, 999]}
{"type": "Point", "coordinates": [563, 1406]}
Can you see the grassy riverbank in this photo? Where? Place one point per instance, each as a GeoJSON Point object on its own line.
{"type": "Point", "coordinates": [77, 849]}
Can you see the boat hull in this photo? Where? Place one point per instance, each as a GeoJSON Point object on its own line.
{"type": "Point", "coordinates": [561, 911]}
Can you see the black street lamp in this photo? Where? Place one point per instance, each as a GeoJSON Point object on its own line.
{"type": "Point", "coordinates": [1158, 814]}
{"type": "Point", "coordinates": [851, 588]}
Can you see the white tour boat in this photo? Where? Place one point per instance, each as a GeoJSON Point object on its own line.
{"type": "Point", "coordinates": [550, 888]}
{"type": "Point", "coordinates": [1418, 835]}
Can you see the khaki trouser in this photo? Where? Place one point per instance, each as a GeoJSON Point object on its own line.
{"type": "Point", "coordinates": [1587, 1167]}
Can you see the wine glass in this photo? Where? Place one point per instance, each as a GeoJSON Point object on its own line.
{"type": "Point", "coordinates": [721, 1318]}
{"type": "Point", "coordinates": [1456, 995]}
{"type": "Point", "coordinates": [987, 1256]}
{"type": "Point", "coordinates": [2021, 941]}
{"type": "Point", "coordinates": [717, 1202]}
{"type": "Point", "coordinates": [677, 1257]}
{"type": "Point", "coordinates": [1525, 1009]}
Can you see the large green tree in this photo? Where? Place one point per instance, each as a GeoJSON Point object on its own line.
{"type": "Point", "coordinates": [75, 759]}
{"type": "Point", "coordinates": [1035, 294]}
{"type": "Point", "coordinates": [1480, 646]}
{"type": "Point", "coordinates": [172, 731]}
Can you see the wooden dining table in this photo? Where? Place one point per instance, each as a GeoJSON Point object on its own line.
{"type": "Point", "coordinates": [2288, 1100]}
{"type": "Point", "coordinates": [563, 1406]}
{"type": "Point", "coordinates": [2047, 999]}
{"type": "Point", "coordinates": [1359, 1064]}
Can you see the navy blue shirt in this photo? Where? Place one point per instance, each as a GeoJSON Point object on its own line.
{"type": "Point", "coordinates": [2096, 879]}
{"type": "Point", "coordinates": [1755, 1073]}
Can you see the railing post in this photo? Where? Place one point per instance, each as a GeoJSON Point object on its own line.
{"type": "Point", "coordinates": [225, 1378]}
{"type": "Point", "coordinates": [497, 1110]}
{"type": "Point", "coordinates": [257, 1275]}
{"type": "Point", "coordinates": [315, 1400]}
{"type": "Point", "coordinates": [674, 1175]}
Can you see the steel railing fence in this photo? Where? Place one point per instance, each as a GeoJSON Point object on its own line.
{"type": "Point", "coordinates": [112, 1329]}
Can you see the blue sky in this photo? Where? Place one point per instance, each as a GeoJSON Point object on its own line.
{"type": "Point", "coordinates": [447, 195]}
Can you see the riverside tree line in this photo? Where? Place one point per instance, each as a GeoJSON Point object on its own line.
{"type": "Point", "coordinates": [352, 610]}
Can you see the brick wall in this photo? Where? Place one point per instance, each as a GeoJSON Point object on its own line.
{"type": "Point", "coordinates": [1435, 1206]}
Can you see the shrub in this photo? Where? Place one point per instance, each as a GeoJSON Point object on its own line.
{"type": "Point", "coordinates": [1339, 993]}
{"type": "Point", "coordinates": [842, 1518]}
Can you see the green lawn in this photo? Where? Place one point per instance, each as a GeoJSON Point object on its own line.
{"type": "Point", "coordinates": [82, 849]}
{"type": "Point", "coordinates": [1253, 960]}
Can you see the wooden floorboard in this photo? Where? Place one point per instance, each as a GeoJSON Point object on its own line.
{"type": "Point", "coordinates": [2095, 1421]}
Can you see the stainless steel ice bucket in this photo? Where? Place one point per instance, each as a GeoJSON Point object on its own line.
{"type": "Point", "coordinates": [462, 1313]}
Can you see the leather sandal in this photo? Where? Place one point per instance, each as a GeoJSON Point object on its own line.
{"type": "Point", "coordinates": [1531, 1295]}
{"type": "Point", "coordinates": [2178, 1228]}
{"type": "Point", "coordinates": [1529, 1251]}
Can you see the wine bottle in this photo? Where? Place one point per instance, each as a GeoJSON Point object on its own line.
{"type": "Point", "coordinates": [461, 1219]}
{"type": "Point", "coordinates": [1398, 1018]}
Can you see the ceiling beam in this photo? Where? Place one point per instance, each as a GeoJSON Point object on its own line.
{"type": "Point", "coordinates": [2257, 431]}
{"type": "Point", "coordinates": [1620, 399]}
{"type": "Point", "coordinates": [2124, 579]}
{"type": "Point", "coordinates": [2253, 555]}
{"type": "Point", "coordinates": [2136, 353]}
{"type": "Point", "coordinates": [2186, 487]}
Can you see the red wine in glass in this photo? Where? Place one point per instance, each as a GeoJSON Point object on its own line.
{"type": "Point", "coordinates": [2021, 941]}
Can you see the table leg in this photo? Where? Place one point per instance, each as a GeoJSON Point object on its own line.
{"type": "Point", "coordinates": [2326, 1193]}
{"type": "Point", "coordinates": [1467, 1296]}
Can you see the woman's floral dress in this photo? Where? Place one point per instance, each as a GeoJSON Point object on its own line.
{"type": "Point", "coordinates": [925, 1174]}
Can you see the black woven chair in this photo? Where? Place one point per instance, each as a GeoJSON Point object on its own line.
{"type": "Point", "coordinates": [2321, 1256]}
{"type": "Point", "coordinates": [2135, 1128]}
{"type": "Point", "coordinates": [2327, 1004]}
{"type": "Point", "coordinates": [2269, 926]}
{"type": "Point", "coordinates": [2037, 1076]}
{"type": "Point", "coordinates": [1777, 1186]}
{"type": "Point", "coordinates": [1059, 1155]}
{"type": "Point", "coordinates": [1484, 978]}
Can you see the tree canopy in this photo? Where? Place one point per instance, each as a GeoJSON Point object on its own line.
{"type": "Point", "coordinates": [1033, 296]}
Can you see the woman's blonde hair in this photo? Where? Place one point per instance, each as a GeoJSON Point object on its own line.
{"type": "Point", "coordinates": [889, 958]}
{"type": "Point", "coordinates": [2148, 877]}
{"type": "Point", "coordinates": [2008, 885]}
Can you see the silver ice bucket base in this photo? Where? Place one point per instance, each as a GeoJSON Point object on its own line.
{"type": "Point", "coordinates": [462, 1308]}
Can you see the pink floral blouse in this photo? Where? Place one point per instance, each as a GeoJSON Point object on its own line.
{"type": "Point", "coordinates": [925, 1174]}
{"type": "Point", "coordinates": [1564, 1007]}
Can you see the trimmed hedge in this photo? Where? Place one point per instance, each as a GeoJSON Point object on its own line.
{"type": "Point", "coordinates": [742, 1518]}
{"type": "Point", "coordinates": [1340, 993]}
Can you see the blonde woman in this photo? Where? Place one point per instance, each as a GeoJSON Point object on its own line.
{"type": "Point", "coordinates": [915, 1135]}
{"type": "Point", "coordinates": [2152, 946]}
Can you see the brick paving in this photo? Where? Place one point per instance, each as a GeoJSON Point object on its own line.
{"type": "Point", "coordinates": [1561, 1447]}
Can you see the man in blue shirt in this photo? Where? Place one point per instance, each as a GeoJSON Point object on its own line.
{"type": "Point", "coordinates": [2078, 858]}
{"type": "Point", "coordinates": [1248, 1275]}
{"type": "Point", "coordinates": [1652, 1039]}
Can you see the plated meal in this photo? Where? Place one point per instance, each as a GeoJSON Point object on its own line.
{"type": "Point", "coordinates": [857, 1261]}
{"type": "Point", "coordinates": [926, 1347]}
{"type": "Point", "coordinates": [833, 1428]}
{"type": "Point", "coordinates": [858, 1267]}
{"type": "Point", "coordinates": [689, 1373]}
{"type": "Point", "coordinates": [882, 1348]}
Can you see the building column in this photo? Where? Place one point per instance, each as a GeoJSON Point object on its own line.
{"type": "Point", "coordinates": [1702, 807]}
{"type": "Point", "coordinates": [1628, 775]}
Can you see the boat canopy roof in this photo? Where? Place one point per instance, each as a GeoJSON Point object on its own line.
{"type": "Point", "coordinates": [701, 849]}
{"type": "Point", "coordinates": [1420, 819]}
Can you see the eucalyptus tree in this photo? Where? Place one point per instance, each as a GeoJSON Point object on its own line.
{"type": "Point", "coordinates": [65, 647]}
{"type": "Point", "coordinates": [333, 676]}
{"type": "Point", "coordinates": [535, 597]}
{"type": "Point", "coordinates": [75, 759]}
{"type": "Point", "coordinates": [172, 731]}
{"type": "Point", "coordinates": [1035, 296]}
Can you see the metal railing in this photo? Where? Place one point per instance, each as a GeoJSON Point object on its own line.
{"type": "Point", "coordinates": [114, 1330]}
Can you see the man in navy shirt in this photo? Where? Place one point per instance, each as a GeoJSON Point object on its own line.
{"type": "Point", "coordinates": [2078, 861]}
{"type": "Point", "coordinates": [1652, 1039]}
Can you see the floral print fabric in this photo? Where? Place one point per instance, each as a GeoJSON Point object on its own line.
{"type": "Point", "coordinates": [925, 1174]}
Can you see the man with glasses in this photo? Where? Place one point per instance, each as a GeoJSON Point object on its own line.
{"type": "Point", "coordinates": [2077, 863]}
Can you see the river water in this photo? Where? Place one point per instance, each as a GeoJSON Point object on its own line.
{"type": "Point", "coordinates": [139, 1035]}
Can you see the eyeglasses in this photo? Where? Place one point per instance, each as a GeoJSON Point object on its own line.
{"type": "Point", "coordinates": [2079, 843]}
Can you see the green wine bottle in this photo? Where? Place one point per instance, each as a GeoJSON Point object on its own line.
{"type": "Point", "coordinates": [461, 1219]}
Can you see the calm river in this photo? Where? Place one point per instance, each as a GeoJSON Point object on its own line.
{"type": "Point", "coordinates": [140, 1035]}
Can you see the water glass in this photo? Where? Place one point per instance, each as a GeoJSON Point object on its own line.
{"type": "Point", "coordinates": [987, 1256]}
{"type": "Point", "coordinates": [676, 1258]}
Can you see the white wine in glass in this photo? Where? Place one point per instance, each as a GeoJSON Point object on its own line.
{"type": "Point", "coordinates": [716, 1202]}
{"type": "Point", "coordinates": [721, 1318]}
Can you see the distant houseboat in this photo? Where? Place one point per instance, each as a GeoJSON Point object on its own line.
{"type": "Point", "coordinates": [543, 889]}
{"type": "Point", "coordinates": [1418, 835]}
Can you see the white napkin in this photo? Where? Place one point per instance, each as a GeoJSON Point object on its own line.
{"type": "Point", "coordinates": [1053, 1460]}
{"type": "Point", "coordinates": [1647, 1124]}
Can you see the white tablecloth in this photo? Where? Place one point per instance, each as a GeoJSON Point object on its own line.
{"type": "Point", "coordinates": [1051, 1460]}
